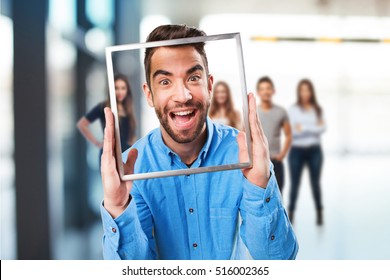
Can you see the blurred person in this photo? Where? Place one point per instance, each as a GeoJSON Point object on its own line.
{"type": "Point", "coordinates": [308, 124]}
{"type": "Point", "coordinates": [193, 216]}
{"type": "Point", "coordinates": [274, 119]}
{"type": "Point", "coordinates": [222, 107]}
{"type": "Point", "coordinates": [127, 121]}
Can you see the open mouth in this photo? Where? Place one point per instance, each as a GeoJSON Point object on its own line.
{"type": "Point", "coordinates": [184, 118]}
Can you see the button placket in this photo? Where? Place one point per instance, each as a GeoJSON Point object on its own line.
{"type": "Point", "coordinates": [190, 192]}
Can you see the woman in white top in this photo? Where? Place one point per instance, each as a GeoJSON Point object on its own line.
{"type": "Point", "coordinates": [307, 123]}
{"type": "Point", "coordinates": [222, 108]}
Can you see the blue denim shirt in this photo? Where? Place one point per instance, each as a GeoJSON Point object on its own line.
{"type": "Point", "coordinates": [217, 215]}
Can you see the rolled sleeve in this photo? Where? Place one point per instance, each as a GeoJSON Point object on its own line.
{"type": "Point", "coordinates": [260, 201]}
{"type": "Point", "coordinates": [266, 229]}
{"type": "Point", "coordinates": [119, 230]}
{"type": "Point", "coordinates": [123, 237]}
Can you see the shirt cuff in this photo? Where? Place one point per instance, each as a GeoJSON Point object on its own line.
{"type": "Point", "coordinates": [122, 229]}
{"type": "Point", "coordinates": [259, 201]}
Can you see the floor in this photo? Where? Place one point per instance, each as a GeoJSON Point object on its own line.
{"type": "Point", "coordinates": [356, 192]}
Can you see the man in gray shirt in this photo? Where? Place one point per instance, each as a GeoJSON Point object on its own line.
{"type": "Point", "coordinates": [274, 119]}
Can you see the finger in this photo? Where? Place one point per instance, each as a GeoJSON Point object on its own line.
{"type": "Point", "coordinates": [252, 104]}
{"type": "Point", "coordinates": [253, 120]}
{"type": "Point", "coordinates": [108, 144]}
{"type": "Point", "coordinates": [258, 119]}
{"type": "Point", "coordinates": [243, 155]}
{"type": "Point", "coordinates": [130, 162]}
{"type": "Point", "coordinates": [258, 122]}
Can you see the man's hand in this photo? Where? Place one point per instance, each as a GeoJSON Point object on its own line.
{"type": "Point", "coordinates": [259, 173]}
{"type": "Point", "coordinates": [116, 192]}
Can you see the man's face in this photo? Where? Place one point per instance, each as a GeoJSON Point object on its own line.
{"type": "Point", "coordinates": [180, 91]}
{"type": "Point", "coordinates": [265, 91]}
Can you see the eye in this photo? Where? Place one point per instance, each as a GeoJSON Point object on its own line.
{"type": "Point", "coordinates": [194, 78]}
{"type": "Point", "coordinates": [164, 82]}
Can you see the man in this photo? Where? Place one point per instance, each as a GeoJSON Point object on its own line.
{"type": "Point", "coordinates": [274, 119]}
{"type": "Point", "coordinates": [193, 216]}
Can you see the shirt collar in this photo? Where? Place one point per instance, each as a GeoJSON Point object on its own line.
{"type": "Point", "coordinates": [210, 131]}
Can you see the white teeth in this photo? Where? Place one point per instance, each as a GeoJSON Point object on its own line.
{"type": "Point", "coordinates": [183, 113]}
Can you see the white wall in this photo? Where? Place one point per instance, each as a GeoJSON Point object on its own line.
{"type": "Point", "coordinates": [351, 79]}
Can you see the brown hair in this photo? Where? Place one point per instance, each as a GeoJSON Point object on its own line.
{"type": "Point", "coordinates": [169, 32]}
{"type": "Point", "coordinates": [313, 99]}
{"type": "Point", "coordinates": [264, 79]}
{"type": "Point", "coordinates": [229, 107]}
{"type": "Point", "coordinates": [127, 104]}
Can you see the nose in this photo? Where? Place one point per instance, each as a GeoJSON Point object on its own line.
{"type": "Point", "coordinates": [181, 93]}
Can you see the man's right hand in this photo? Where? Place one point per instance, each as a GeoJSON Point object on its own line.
{"type": "Point", "coordinates": [116, 192]}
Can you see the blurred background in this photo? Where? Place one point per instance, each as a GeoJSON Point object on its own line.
{"type": "Point", "coordinates": [53, 71]}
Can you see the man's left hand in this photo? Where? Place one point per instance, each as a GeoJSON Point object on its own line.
{"type": "Point", "coordinates": [259, 173]}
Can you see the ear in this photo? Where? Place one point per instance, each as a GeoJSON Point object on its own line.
{"type": "Point", "coordinates": [148, 94]}
{"type": "Point", "coordinates": [210, 82]}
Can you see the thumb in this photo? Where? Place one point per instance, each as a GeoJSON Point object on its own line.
{"type": "Point", "coordinates": [131, 158]}
{"type": "Point", "coordinates": [242, 147]}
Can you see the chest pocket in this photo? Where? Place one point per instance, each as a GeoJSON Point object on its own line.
{"type": "Point", "coordinates": [223, 227]}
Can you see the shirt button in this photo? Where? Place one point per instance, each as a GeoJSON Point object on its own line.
{"type": "Point", "coordinates": [194, 245]}
{"type": "Point", "coordinates": [113, 230]}
{"type": "Point", "coordinates": [272, 237]}
{"type": "Point", "coordinates": [268, 199]}
{"type": "Point", "coordinates": [191, 210]}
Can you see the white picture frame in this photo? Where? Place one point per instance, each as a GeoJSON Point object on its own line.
{"type": "Point", "coordinates": [109, 51]}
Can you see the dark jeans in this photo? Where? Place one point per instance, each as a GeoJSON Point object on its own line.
{"type": "Point", "coordinates": [279, 173]}
{"type": "Point", "coordinates": [297, 159]}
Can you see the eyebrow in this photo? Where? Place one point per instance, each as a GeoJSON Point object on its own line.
{"type": "Point", "coordinates": [193, 69]}
{"type": "Point", "coordinates": [161, 72]}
